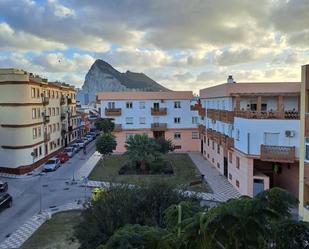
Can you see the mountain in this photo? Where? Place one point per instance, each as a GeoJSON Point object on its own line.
{"type": "Point", "coordinates": [103, 77]}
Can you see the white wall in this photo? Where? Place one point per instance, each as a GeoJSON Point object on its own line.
{"type": "Point", "coordinates": [184, 113]}
{"type": "Point", "coordinates": [256, 129]}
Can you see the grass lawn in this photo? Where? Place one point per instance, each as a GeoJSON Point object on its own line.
{"type": "Point", "coordinates": [185, 171]}
{"type": "Point", "coordinates": [56, 233]}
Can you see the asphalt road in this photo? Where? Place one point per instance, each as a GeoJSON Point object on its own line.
{"type": "Point", "coordinates": [56, 189]}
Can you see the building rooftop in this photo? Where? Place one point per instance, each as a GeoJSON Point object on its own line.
{"type": "Point", "coordinates": [267, 88]}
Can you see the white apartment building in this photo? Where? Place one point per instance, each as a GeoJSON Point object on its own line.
{"type": "Point", "coordinates": [157, 114]}
{"type": "Point", "coordinates": [251, 134]}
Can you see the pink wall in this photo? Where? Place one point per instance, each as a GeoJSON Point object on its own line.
{"type": "Point", "coordinates": [212, 155]}
{"type": "Point", "coordinates": [186, 142]}
{"type": "Point", "coordinates": [244, 175]}
{"type": "Point", "coordinates": [288, 178]}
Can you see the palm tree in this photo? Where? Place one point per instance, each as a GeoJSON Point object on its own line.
{"type": "Point", "coordinates": [142, 150]}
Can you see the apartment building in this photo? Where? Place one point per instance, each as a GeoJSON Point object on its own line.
{"type": "Point", "coordinates": [157, 114]}
{"type": "Point", "coordinates": [304, 146]}
{"type": "Point", "coordinates": [251, 134]}
{"type": "Point", "coordinates": [37, 119]}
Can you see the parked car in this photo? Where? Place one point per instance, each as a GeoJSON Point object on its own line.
{"type": "Point", "coordinates": [81, 143]}
{"type": "Point", "coordinates": [70, 151]}
{"type": "Point", "coordinates": [91, 137]}
{"type": "Point", "coordinates": [3, 186]}
{"type": "Point", "coordinates": [63, 156]}
{"type": "Point", "coordinates": [94, 134]}
{"type": "Point", "coordinates": [86, 140]}
{"type": "Point", "coordinates": [6, 201]}
{"type": "Point", "coordinates": [51, 165]}
{"type": "Point", "coordinates": [76, 147]}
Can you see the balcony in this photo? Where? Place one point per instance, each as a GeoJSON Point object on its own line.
{"type": "Point", "coordinates": [112, 111]}
{"type": "Point", "coordinates": [284, 154]}
{"type": "Point", "coordinates": [267, 115]}
{"type": "Point", "coordinates": [63, 115]}
{"type": "Point", "coordinates": [226, 116]}
{"type": "Point", "coordinates": [62, 100]}
{"type": "Point", "coordinates": [46, 119]}
{"type": "Point", "coordinates": [46, 137]}
{"type": "Point", "coordinates": [117, 127]}
{"type": "Point", "coordinates": [202, 112]}
{"type": "Point", "coordinates": [45, 100]}
{"type": "Point", "coordinates": [195, 107]}
{"type": "Point", "coordinates": [158, 126]}
{"type": "Point", "coordinates": [158, 111]}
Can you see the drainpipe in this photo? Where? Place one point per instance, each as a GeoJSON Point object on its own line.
{"type": "Point", "coordinates": [248, 145]}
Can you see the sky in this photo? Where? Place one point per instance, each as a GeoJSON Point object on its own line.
{"type": "Point", "coordinates": [181, 44]}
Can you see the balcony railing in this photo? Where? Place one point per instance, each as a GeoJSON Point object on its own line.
{"type": "Point", "coordinates": [46, 119]}
{"type": "Point", "coordinates": [112, 111]}
{"type": "Point", "coordinates": [267, 115]}
{"type": "Point", "coordinates": [202, 112]}
{"type": "Point", "coordinates": [220, 138]}
{"type": "Point", "coordinates": [45, 100]}
{"type": "Point", "coordinates": [158, 126]}
{"type": "Point", "coordinates": [221, 115]}
{"type": "Point", "coordinates": [46, 136]}
{"type": "Point", "coordinates": [118, 127]}
{"type": "Point", "coordinates": [284, 154]}
{"type": "Point", "coordinates": [158, 111]}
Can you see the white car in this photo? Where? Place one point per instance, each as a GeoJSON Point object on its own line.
{"type": "Point", "coordinates": [81, 143]}
{"type": "Point", "coordinates": [70, 151]}
{"type": "Point", "coordinates": [51, 165]}
{"type": "Point", "coordinates": [90, 138]}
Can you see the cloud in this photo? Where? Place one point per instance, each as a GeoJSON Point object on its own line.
{"type": "Point", "coordinates": [183, 76]}
{"type": "Point", "coordinates": [13, 40]}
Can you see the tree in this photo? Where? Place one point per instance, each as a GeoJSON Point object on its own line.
{"type": "Point", "coordinates": [106, 143]}
{"type": "Point", "coordinates": [142, 150]}
{"type": "Point", "coordinates": [144, 205]}
{"type": "Point", "coordinates": [165, 146]}
{"type": "Point", "coordinates": [106, 125]}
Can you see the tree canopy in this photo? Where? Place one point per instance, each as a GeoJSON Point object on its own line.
{"type": "Point", "coordinates": [106, 144]}
{"type": "Point", "coordinates": [104, 124]}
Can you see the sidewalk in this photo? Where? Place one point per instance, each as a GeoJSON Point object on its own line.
{"type": "Point", "coordinates": [222, 189]}
{"type": "Point", "coordinates": [88, 166]}
{"type": "Point", "coordinates": [19, 237]}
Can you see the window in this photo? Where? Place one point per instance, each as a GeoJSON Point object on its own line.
{"type": "Point", "coordinates": [237, 183]}
{"type": "Point", "coordinates": [54, 111]}
{"type": "Point", "coordinates": [35, 151]}
{"type": "Point", "coordinates": [39, 132]}
{"type": "Point", "coordinates": [33, 113]}
{"type": "Point", "coordinates": [208, 141]}
{"type": "Point", "coordinates": [53, 94]}
{"type": "Point", "coordinates": [129, 120]}
{"type": "Point", "coordinates": [141, 105]}
{"type": "Point", "coordinates": [49, 111]}
{"type": "Point", "coordinates": [195, 135]}
{"type": "Point", "coordinates": [129, 105]}
{"type": "Point", "coordinates": [38, 112]}
{"type": "Point", "coordinates": [156, 105]}
{"type": "Point", "coordinates": [37, 93]}
{"type": "Point", "coordinates": [58, 142]}
{"type": "Point", "coordinates": [32, 92]}
{"type": "Point", "coordinates": [218, 149]}
{"type": "Point", "coordinates": [111, 105]}
{"type": "Point", "coordinates": [40, 151]}
{"type": "Point", "coordinates": [57, 94]}
{"type": "Point", "coordinates": [237, 162]}
{"type": "Point", "coordinates": [177, 147]}
{"type": "Point", "coordinates": [213, 145]}
{"type": "Point", "coordinates": [57, 111]}
{"type": "Point", "coordinates": [271, 138]}
{"type": "Point", "coordinates": [142, 120]}
{"type": "Point", "coordinates": [58, 126]}
{"type": "Point", "coordinates": [204, 139]}
{"type": "Point", "coordinates": [230, 157]}
{"type": "Point", "coordinates": [177, 104]}
{"type": "Point", "coordinates": [194, 120]}
{"type": "Point", "coordinates": [218, 165]}
{"type": "Point", "coordinates": [307, 149]}
{"type": "Point", "coordinates": [230, 176]}
{"type": "Point", "coordinates": [54, 127]}
{"type": "Point", "coordinates": [177, 135]}
{"type": "Point", "coordinates": [207, 155]}
{"type": "Point", "coordinates": [34, 132]}
{"type": "Point", "coordinates": [177, 120]}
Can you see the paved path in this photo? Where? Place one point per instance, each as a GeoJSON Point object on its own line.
{"type": "Point", "coordinates": [26, 230]}
{"type": "Point", "coordinates": [222, 189]}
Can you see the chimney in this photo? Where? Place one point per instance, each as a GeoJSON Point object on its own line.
{"type": "Point", "coordinates": [230, 79]}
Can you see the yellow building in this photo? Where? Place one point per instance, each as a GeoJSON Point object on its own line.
{"type": "Point", "coordinates": [37, 118]}
{"type": "Point", "coordinates": [304, 146]}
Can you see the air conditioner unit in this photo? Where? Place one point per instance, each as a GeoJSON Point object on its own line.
{"type": "Point", "coordinates": [289, 133]}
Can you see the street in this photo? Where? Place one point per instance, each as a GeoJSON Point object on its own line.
{"type": "Point", "coordinates": [56, 189]}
